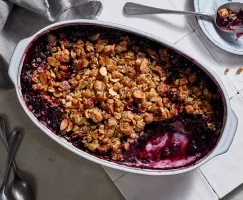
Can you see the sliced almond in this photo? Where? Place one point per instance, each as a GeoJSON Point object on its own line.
{"type": "Point", "coordinates": [152, 53]}
{"type": "Point", "coordinates": [43, 78]}
{"type": "Point", "coordinates": [73, 55]}
{"type": "Point", "coordinates": [53, 62]}
{"type": "Point", "coordinates": [86, 113]}
{"type": "Point", "coordinates": [103, 71]}
{"type": "Point", "coordinates": [70, 127]}
{"type": "Point", "coordinates": [52, 40]}
{"type": "Point", "coordinates": [112, 92]}
{"type": "Point", "coordinates": [57, 93]}
{"type": "Point", "coordinates": [51, 89]}
{"type": "Point", "coordinates": [94, 37]}
{"type": "Point", "coordinates": [89, 46]}
{"type": "Point", "coordinates": [53, 75]}
{"type": "Point", "coordinates": [64, 124]}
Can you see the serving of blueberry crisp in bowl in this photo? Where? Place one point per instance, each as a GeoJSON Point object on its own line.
{"type": "Point", "coordinates": [123, 98]}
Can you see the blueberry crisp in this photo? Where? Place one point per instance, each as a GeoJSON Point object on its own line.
{"type": "Point", "coordinates": [122, 97]}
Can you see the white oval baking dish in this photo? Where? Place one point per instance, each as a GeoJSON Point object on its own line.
{"type": "Point", "coordinates": [230, 119]}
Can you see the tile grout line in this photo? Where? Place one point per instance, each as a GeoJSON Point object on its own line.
{"type": "Point", "coordinates": [208, 183]}
{"type": "Point", "coordinates": [234, 96]}
{"type": "Point", "coordinates": [110, 176]}
{"type": "Point", "coordinates": [113, 181]}
{"type": "Point", "coordinates": [188, 21]}
{"type": "Point", "coordinates": [173, 2]}
{"type": "Point", "coordinates": [191, 24]}
{"type": "Point", "coordinates": [184, 36]}
{"type": "Point", "coordinates": [119, 177]}
{"type": "Point", "coordinates": [119, 187]}
{"type": "Point", "coordinates": [240, 91]}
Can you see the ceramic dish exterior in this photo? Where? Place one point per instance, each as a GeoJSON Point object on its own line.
{"type": "Point", "coordinates": [226, 41]}
{"type": "Point", "coordinates": [230, 119]}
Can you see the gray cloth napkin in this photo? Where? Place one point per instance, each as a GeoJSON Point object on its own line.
{"type": "Point", "coordinates": [22, 18]}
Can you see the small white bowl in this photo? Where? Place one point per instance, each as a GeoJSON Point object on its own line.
{"type": "Point", "coordinates": [226, 41]}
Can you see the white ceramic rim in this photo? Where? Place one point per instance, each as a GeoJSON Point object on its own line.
{"type": "Point", "coordinates": [223, 143]}
{"type": "Point", "coordinates": [209, 36]}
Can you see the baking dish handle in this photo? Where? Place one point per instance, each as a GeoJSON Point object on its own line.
{"type": "Point", "coordinates": [228, 136]}
{"type": "Point", "coordinates": [16, 60]}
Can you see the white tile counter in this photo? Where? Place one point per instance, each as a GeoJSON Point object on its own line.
{"type": "Point", "coordinates": [186, 186]}
{"type": "Point", "coordinates": [171, 29]}
{"type": "Point", "coordinates": [214, 180]}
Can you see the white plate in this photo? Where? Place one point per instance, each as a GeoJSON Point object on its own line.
{"type": "Point", "coordinates": [227, 41]}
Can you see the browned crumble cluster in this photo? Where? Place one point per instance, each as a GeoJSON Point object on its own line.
{"type": "Point", "coordinates": [239, 70]}
{"type": "Point", "coordinates": [226, 70]}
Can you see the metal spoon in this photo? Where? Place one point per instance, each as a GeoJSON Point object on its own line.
{"type": "Point", "coordinates": [138, 9]}
{"type": "Point", "coordinates": [13, 145]}
{"type": "Point", "coordinates": [20, 188]}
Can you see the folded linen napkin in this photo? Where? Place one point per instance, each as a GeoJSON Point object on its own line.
{"type": "Point", "coordinates": [22, 18]}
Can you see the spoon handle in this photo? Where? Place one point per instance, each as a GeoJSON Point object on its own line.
{"type": "Point", "coordinates": [138, 9]}
{"type": "Point", "coordinates": [4, 138]}
{"type": "Point", "coordinates": [15, 138]}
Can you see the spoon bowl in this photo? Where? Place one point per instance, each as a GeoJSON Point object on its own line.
{"type": "Point", "coordinates": [19, 188]}
{"type": "Point", "coordinates": [13, 145]}
{"type": "Point", "coordinates": [3, 194]}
